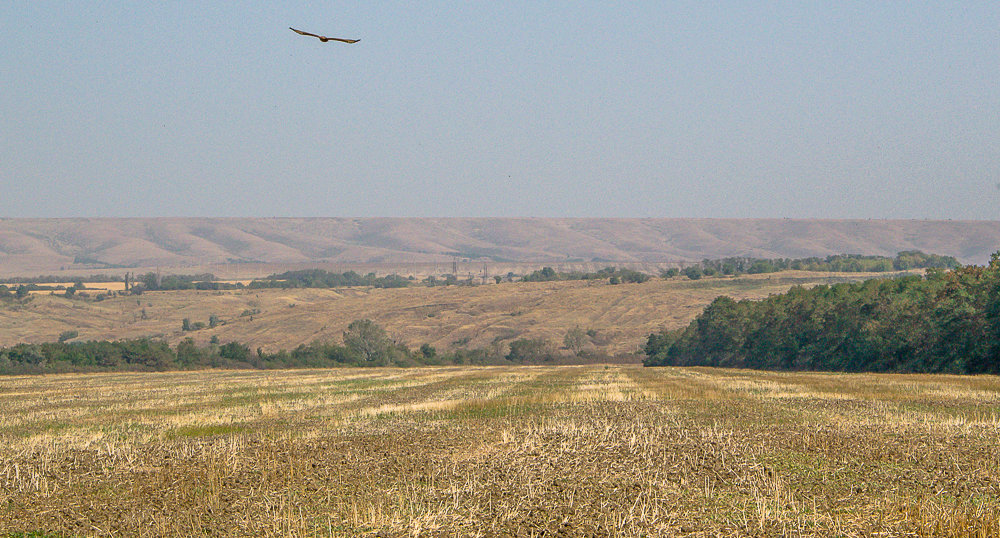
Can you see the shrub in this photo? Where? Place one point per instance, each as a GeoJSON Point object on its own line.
{"type": "Point", "coordinates": [68, 335]}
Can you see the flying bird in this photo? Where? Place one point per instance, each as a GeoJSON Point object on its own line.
{"type": "Point", "coordinates": [323, 38]}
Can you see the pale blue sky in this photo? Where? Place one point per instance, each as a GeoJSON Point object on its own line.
{"type": "Point", "coordinates": [644, 109]}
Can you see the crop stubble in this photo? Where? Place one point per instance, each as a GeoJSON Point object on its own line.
{"type": "Point", "coordinates": [500, 451]}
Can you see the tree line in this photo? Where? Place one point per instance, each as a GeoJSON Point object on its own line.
{"type": "Point", "coordinates": [946, 321]}
{"type": "Point", "coordinates": [740, 265]}
{"type": "Point", "coordinates": [612, 274]}
{"type": "Point", "coordinates": [49, 279]}
{"type": "Point", "coordinates": [837, 263]}
{"type": "Point", "coordinates": [319, 278]}
{"type": "Point", "coordinates": [158, 282]}
{"type": "Point", "coordinates": [365, 344]}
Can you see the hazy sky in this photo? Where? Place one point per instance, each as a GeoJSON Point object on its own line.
{"type": "Point", "coordinates": [637, 109]}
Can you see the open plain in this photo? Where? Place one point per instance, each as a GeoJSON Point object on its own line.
{"type": "Point", "coordinates": [500, 451]}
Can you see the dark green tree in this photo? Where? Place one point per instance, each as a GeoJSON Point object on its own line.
{"type": "Point", "coordinates": [529, 350]}
{"type": "Point", "coordinates": [189, 354]}
{"type": "Point", "coordinates": [575, 339]}
{"type": "Point", "coordinates": [235, 352]}
{"type": "Point", "coordinates": [369, 342]}
{"type": "Point", "coordinates": [693, 272]}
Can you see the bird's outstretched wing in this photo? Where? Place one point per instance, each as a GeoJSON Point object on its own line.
{"type": "Point", "coordinates": [323, 38]}
{"type": "Point", "coordinates": [300, 32]}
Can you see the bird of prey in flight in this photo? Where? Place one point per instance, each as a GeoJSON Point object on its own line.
{"type": "Point", "coordinates": [323, 38]}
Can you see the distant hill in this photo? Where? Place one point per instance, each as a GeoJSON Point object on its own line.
{"type": "Point", "coordinates": [37, 246]}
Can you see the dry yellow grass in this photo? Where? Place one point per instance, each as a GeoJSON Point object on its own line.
{"type": "Point", "coordinates": [500, 451]}
{"type": "Point", "coordinates": [478, 316]}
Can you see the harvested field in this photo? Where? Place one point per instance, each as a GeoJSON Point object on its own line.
{"type": "Point", "coordinates": [500, 451]}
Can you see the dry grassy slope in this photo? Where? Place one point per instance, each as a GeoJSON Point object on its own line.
{"type": "Point", "coordinates": [446, 317]}
{"type": "Point", "coordinates": [32, 246]}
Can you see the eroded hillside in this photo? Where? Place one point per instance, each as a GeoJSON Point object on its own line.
{"type": "Point", "coordinates": [36, 246]}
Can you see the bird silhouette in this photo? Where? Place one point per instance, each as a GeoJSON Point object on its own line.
{"type": "Point", "coordinates": [323, 38]}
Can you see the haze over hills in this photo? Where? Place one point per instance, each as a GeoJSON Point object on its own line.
{"type": "Point", "coordinates": [38, 246]}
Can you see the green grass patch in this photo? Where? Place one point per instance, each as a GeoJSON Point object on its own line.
{"type": "Point", "coordinates": [484, 409]}
{"type": "Point", "coordinates": [187, 432]}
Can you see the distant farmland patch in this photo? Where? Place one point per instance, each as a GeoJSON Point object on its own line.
{"type": "Point", "coordinates": [616, 318]}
